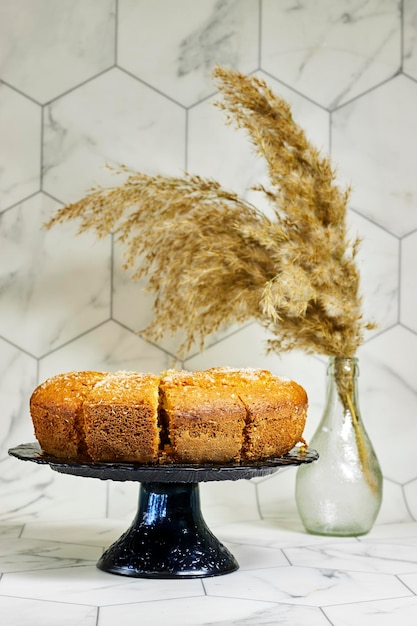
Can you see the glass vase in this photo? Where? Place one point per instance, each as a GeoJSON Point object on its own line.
{"type": "Point", "coordinates": [341, 493]}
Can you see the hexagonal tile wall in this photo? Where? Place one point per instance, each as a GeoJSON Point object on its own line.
{"type": "Point", "coordinates": [90, 83]}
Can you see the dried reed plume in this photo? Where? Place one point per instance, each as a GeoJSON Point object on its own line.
{"type": "Point", "coordinates": [212, 259]}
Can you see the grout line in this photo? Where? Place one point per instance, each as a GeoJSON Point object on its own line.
{"type": "Point", "coordinates": [111, 285]}
{"type": "Point", "coordinates": [116, 32]}
{"type": "Point", "coordinates": [260, 15]}
{"type": "Point", "coordinates": [186, 139]}
{"type": "Point", "coordinates": [41, 149]}
{"type": "Point", "coordinates": [407, 506]}
{"type": "Point", "coordinates": [402, 32]}
{"type": "Point", "coordinates": [322, 610]}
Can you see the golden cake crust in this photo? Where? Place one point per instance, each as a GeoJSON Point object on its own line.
{"type": "Point", "coordinates": [56, 407]}
{"type": "Point", "coordinates": [275, 407]}
{"type": "Point", "coordinates": [220, 415]}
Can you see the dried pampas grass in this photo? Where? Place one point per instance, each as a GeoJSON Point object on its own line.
{"type": "Point", "coordinates": [212, 259]}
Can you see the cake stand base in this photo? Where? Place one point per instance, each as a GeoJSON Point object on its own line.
{"type": "Point", "coordinates": [168, 538]}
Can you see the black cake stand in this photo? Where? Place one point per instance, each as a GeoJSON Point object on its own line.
{"type": "Point", "coordinates": [168, 537]}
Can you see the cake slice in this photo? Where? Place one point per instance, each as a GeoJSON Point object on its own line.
{"type": "Point", "coordinates": [276, 410]}
{"type": "Point", "coordinates": [201, 423]}
{"type": "Point", "coordinates": [121, 418]}
{"type": "Point", "coordinates": [56, 407]}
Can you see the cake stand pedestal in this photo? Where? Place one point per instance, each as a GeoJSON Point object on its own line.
{"type": "Point", "coordinates": [168, 537]}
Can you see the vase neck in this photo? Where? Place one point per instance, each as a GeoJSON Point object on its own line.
{"type": "Point", "coordinates": [339, 366]}
{"type": "Point", "coordinates": [342, 387]}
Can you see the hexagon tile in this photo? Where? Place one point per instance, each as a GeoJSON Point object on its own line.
{"type": "Point", "coordinates": [373, 148]}
{"type": "Point", "coordinates": [331, 52]}
{"type": "Point", "coordinates": [59, 45]}
{"type": "Point", "coordinates": [111, 120]}
{"type": "Point", "coordinates": [90, 83]}
{"type": "Point", "coordinates": [20, 131]}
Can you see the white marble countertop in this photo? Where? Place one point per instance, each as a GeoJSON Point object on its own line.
{"type": "Point", "coordinates": [49, 548]}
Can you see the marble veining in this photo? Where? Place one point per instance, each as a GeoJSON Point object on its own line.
{"type": "Point", "coordinates": [27, 555]}
{"type": "Point", "coordinates": [313, 42]}
{"type": "Point", "coordinates": [199, 49]}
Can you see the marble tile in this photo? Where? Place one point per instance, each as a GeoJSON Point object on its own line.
{"type": "Point", "coordinates": [276, 496]}
{"type": "Point", "coordinates": [410, 38]}
{"type": "Point", "coordinates": [396, 532]}
{"type": "Point", "coordinates": [180, 63]}
{"type": "Point", "coordinates": [20, 131]}
{"type": "Point", "coordinates": [271, 533]}
{"type": "Point", "coordinates": [410, 494]}
{"type": "Point", "coordinates": [111, 120]}
{"type": "Point", "coordinates": [24, 555]}
{"type": "Point", "coordinates": [408, 304]}
{"type": "Point", "coordinates": [383, 613]}
{"type": "Point", "coordinates": [89, 586]}
{"type": "Point", "coordinates": [47, 301]}
{"type": "Point", "coordinates": [76, 35]}
{"type": "Point", "coordinates": [379, 265]}
{"type": "Point", "coordinates": [379, 165]}
{"type": "Point", "coordinates": [253, 557]}
{"type": "Point", "coordinates": [331, 52]}
{"type": "Point", "coordinates": [97, 532]}
{"type": "Point", "coordinates": [30, 492]}
{"type": "Point", "coordinates": [10, 530]}
{"type": "Point", "coordinates": [22, 612]}
{"type": "Point", "coordinates": [109, 347]}
{"type": "Point", "coordinates": [122, 500]}
{"type": "Point", "coordinates": [132, 305]}
{"type": "Point", "coordinates": [410, 580]}
{"type": "Point", "coordinates": [383, 557]}
{"type": "Point", "coordinates": [208, 611]}
{"type": "Point", "coordinates": [228, 501]}
{"type": "Point", "coordinates": [387, 387]}
{"type": "Point", "coordinates": [395, 506]}
{"type": "Point", "coordinates": [18, 378]}
{"type": "Point", "coordinates": [307, 586]}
